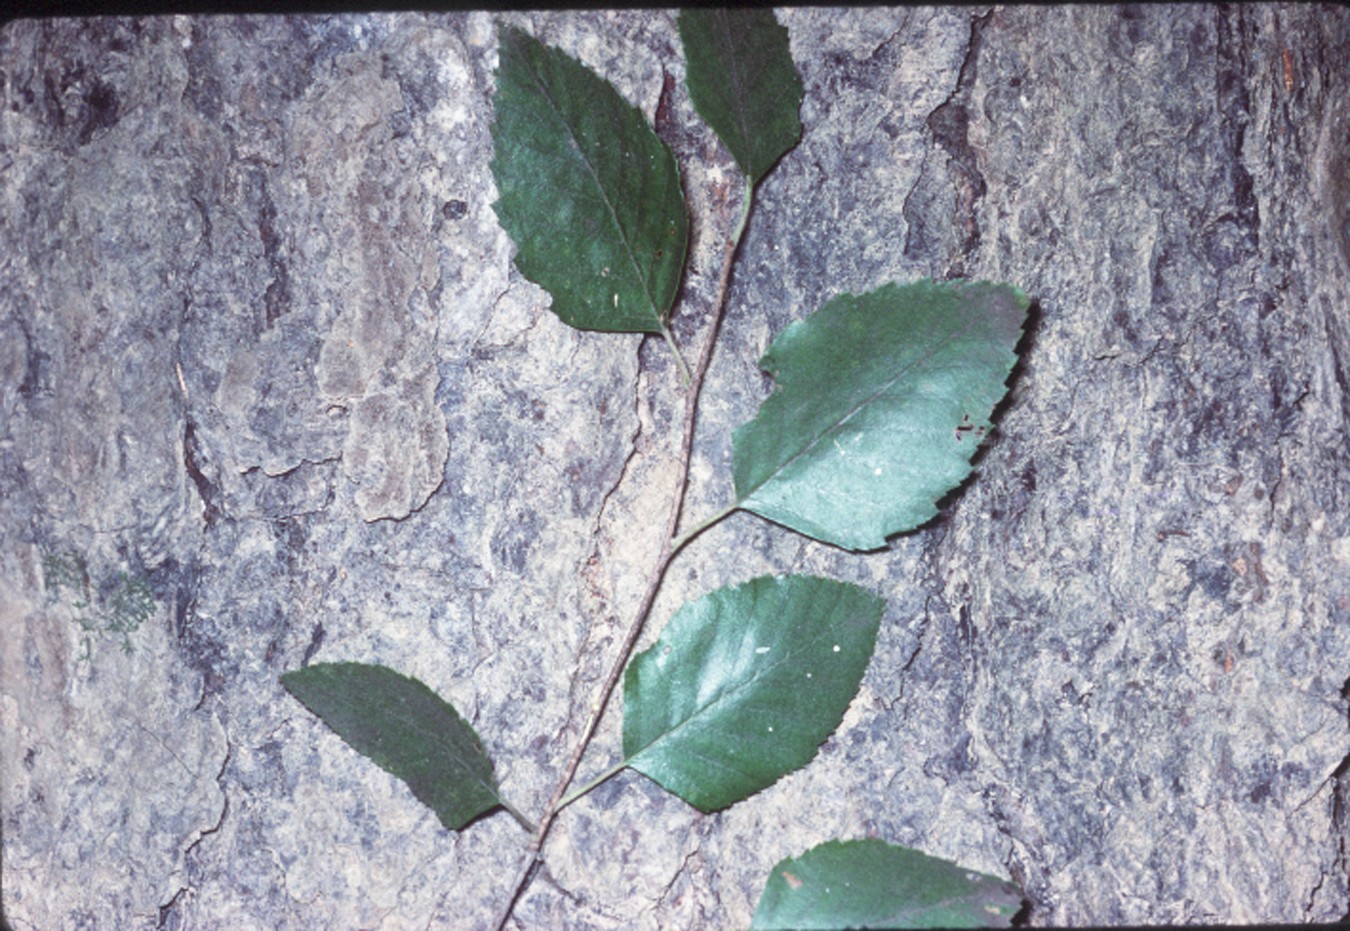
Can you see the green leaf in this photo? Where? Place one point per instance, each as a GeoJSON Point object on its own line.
{"type": "Point", "coordinates": [873, 884]}
{"type": "Point", "coordinates": [745, 683]}
{"type": "Point", "coordinates": [590, 195]}
{"type": "Point", "coordinates": [742, 82]}
{"type": "Point", "coordinates": [406, 729]}
{"type": "Point", "coordinates": [881, 401]}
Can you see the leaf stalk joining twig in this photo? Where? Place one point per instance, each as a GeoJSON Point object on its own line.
{"type": "Point", "coordinates": [669, 548]}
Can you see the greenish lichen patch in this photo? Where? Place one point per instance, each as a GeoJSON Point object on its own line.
{"type": "Point", "coordinates": [115, 603]}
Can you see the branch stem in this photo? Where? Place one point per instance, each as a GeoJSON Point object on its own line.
{"type": "Point", "coordinates": [694, 386]}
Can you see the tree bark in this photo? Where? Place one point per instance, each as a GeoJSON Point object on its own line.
{"type": "Point", "coordinates": [272, 392]}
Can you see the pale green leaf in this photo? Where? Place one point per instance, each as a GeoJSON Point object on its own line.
{"type": "Point", "coordinates": [741, 80]}
{"type": "Point", "coordinates": [745, 683]}
{"type": "Point", "coordinates": [881, 401]}
{"type": "Point", "coordinates": [873, 884]}
{"type": "Point", "coordinates": [588, 192]}
{"type": "Point", "coordinates": [407, 730]}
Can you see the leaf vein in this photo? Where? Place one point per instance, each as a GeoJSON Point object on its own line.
{"type": "Point", "coordinates": [863, 403]}
{"type": "Point", "coordinates": [604, 193]}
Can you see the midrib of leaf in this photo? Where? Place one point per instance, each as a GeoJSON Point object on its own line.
{"type": "Point", "coordinates": [737, 85]}
{"type": "Point", "coordinates": [604, 193]}
{"type": "Point", "coordinates": [869, 399]}
{"type": "Point", "coordinates": [465, 769]}
{"type": "Point", "coordinates": [725, 695]}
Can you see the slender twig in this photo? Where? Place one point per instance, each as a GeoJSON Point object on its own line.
{"type": "Point", "coordinates": [668, 550]}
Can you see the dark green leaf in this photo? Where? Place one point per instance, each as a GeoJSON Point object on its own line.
{"type": "Point", "coordinates": [881, 401]}
{"type": "Point", "coordinates": [742, 81]}
{"type": "Point", "coordinates": [745, 683]}
{"type": "Point", "coordinates": [873, 884]}
{"type": "Point", "coordinates": [590, 195]}
{"type": "Point", "coordinates": [405, 728]}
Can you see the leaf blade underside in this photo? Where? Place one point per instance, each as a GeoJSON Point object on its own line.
{"type": "Point", "coordinates": [406, 729]}
{"type": "Point", "coordinates": [880, 402]}
{"type": "Point", "coordinates": [588, 193]}
{"type": "Point", "coordinates": [745, 683]}
{"type": "Point", "coordinates": [742, 81]}
{"type": "Point", "coordinates": [873, 884]}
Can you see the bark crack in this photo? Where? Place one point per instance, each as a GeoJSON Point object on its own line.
{"type": "Point", "coordinates": [949, 125]}
{"type": "Point", "coordinates": [186, 889]}
{"type": "Point", "coordinates": [596, 557]}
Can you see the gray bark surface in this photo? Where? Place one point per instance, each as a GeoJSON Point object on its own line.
{"type": "Point", "coordinates": [272, 392]}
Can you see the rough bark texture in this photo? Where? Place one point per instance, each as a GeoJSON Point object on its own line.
{"type": "Point", "coordinates": [272, 392]}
